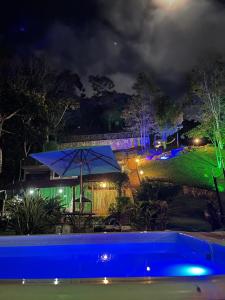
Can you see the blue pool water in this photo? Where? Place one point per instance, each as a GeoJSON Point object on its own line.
{"type": "Point", "coordinates": [109, 255]}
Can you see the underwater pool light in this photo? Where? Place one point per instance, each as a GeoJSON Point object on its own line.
{"type": "Point", "coordinates": [191, 270]}
{"type": "Point", "coordinates": [105, 257]}
{"type": "Point", "coordinates": [148, 269]}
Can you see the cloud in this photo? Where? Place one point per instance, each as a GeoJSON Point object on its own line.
{"type": "Point", "coordinates": [144, 35]}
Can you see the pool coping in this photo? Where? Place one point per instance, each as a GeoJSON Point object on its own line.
{"type": "Point", "coordinates": [111, 281]}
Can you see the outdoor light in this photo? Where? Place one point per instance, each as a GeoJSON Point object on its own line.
{"type": "Point", "coordinates": [158, 144]}
{"type": "Point", "coordinates": [56, 281]}
{"type": "Point", "coordinates": [31, 191]}
{"type": "Point", "coordinates": [191, 270]}
{"type": "Point", "coordinates": [105, 281]}
{"type": "Point", "coordinates": [137, 160]}
{"type": "Point", "coordinates": [141, 172]}
{"type": "Point", "coordinates": [60, 191]}
{"type": "Point", "coordinates": [197, 141]}
{"type": "Point", "coordinates": [23, 281]}
{"type": "Point", "coordinates": [164, 157]}
{"type": "Point", "coordinates": [148, 269]}
{"type": "Point", "coordinates": [103, 185]}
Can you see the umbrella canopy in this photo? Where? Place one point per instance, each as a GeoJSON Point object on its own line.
{"type": "Point", "coordinates": [79, 161]}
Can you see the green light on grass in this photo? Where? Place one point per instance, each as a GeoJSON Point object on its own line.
{"type": "Point", "coordinates": [221, 188]}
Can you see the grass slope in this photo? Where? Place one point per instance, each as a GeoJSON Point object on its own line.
{"type": "Point", "coordinates": [193, 168]}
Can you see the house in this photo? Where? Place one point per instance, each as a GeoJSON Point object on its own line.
{"type": "Point", "coordinates": [99, 189]}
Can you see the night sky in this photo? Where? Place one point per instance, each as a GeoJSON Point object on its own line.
{"type": "Point", "coordinates": [116, 38]}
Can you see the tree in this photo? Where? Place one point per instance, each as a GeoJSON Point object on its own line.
{"type": "Point", "coordinates": [34, 104]}
{"type": "Point", "coordinates": [151, 111]}
{"type": "Point", "coordinates": [139, 113]}
{"type": "Point", "coordinates": [207, 104]}
{"type": "Point", "coordinates": [101, 85]}
{"type": "Point", "coordinates": [168, 117]}
{"type": "Point", "coordinates": [64, 94]}
{"type": "Point", "coordinates": [4, 117]}
{"type": "Point", "coordinates": [138, 118]}
{"type": "Point", "coordinates": [9, 109]}
{"type": "Point", "coordinates": [50, 93]}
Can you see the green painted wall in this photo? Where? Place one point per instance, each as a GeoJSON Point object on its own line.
{"type": "Point", "coordinates": [66, 195]}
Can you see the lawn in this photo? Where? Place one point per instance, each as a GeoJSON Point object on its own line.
{"type": "Point", "coordinates": [193, 168]}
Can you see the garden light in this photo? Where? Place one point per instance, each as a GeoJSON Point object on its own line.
{"type": "Point", "coordinates": [105, 281]}
{"type": "Point", "coordinates": [197, 141]}
{"type": "Point", "coordinates": [31, 191]}
{"type": "Point", "coordinates": [60, 191]}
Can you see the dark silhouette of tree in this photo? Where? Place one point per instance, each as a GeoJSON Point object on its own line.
{"type": "Point", "coordinates": [101, 85]}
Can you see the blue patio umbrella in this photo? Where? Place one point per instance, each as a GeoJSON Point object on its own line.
{"type": "Point", "coordinates": [79, 162]}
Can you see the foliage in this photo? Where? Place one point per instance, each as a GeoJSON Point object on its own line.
{"type": "Point", "coordinates": [212, 215]}
{"type": "Point", "coordinates": [138, 117]}
{"type": "Point", "coordinates": [101, 85]}
{"type": "Point", "coordinates": [112, 117]}
{"type": "Point", "coordinates": [33, 214]}
{"type": "Point", "coordinates": [207, 99]}
{"type": "Point", "coordinates": [150, 190]}
{"type": "Point", "coordinates": [34, 105]}
{"type": "Point", "coordinates": [168, 116]}
{"type": "Point", "coordinates": [139, 112]}
{"type": "Point", "coordinates": [150, 111]}
{"type": "Point", "coordinates": [152, 205]}
{"type": "Point", "coordinates": [120, 180]}
{"type": "Point", "coordinates": [121, 205]}
{"type": "Point", "coordinates": [152, 215]}
{"type": "Point", "coordinates": [122, 211]}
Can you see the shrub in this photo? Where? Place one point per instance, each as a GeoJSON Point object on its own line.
{"type": "Point", "coordinates": [33, 214]}
{"type": "Point", "coordinates": [151, 205]}
{"type": "Point", "coordinates": [121, 210]}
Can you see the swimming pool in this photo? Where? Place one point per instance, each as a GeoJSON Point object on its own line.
{"type": "Point", "coordinates": [109, 258]}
